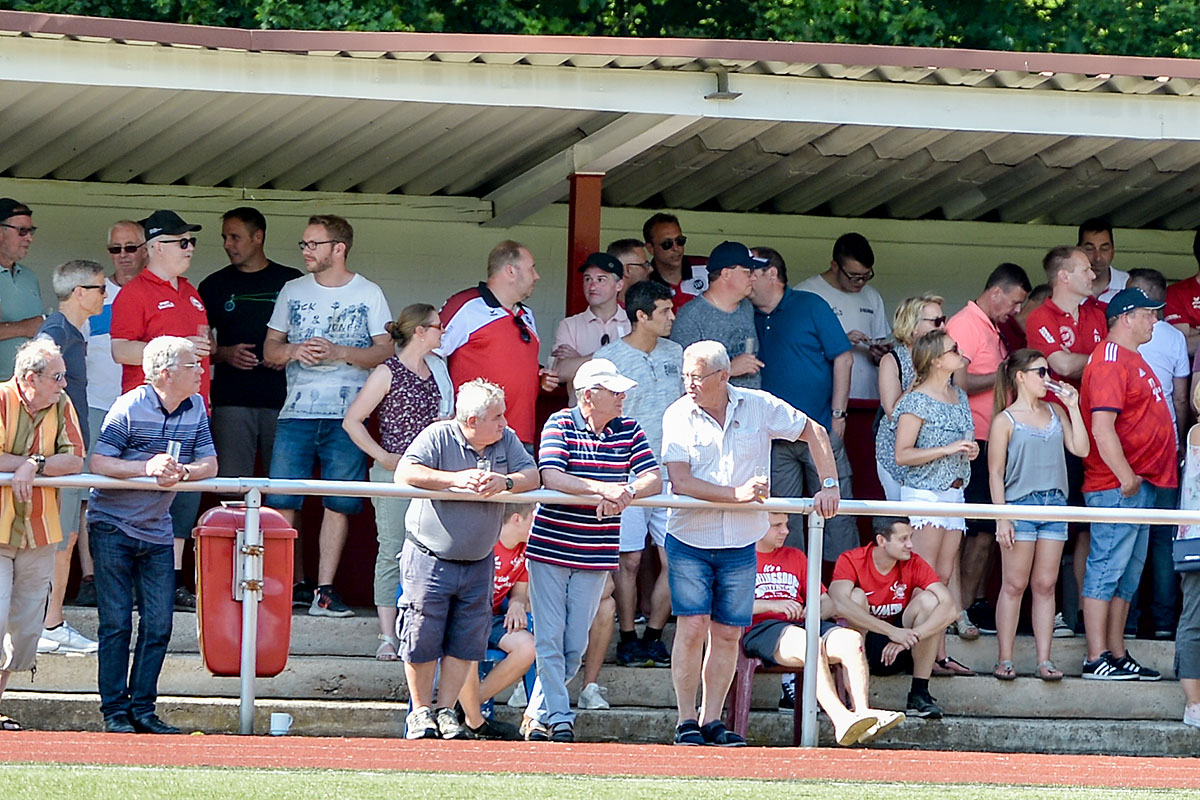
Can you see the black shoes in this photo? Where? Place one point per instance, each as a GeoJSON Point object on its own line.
{"type": "Point", "coordinates": [152, 724]}
{"type": "Point", "coordinates": [119, 723]}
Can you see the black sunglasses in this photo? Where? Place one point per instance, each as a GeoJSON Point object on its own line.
{"type": "Point", "coordinates": [605, 339]}
{"type": "Point", "coordinates": [526, 336]}
{"type": "Point", "coordinates": [667, 244]}
{"type": "Point", "coordinates": [184, 243]}
{"type": "Point", "coordinates": [937, 321]}
{"type": "Point", "coordinates": [21, 231]}
{"type": "Point", "coordinates": [1041, 371]}
{"type": "Point", "coordinates": [128, 248]}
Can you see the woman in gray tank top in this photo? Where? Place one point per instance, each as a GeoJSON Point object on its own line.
{"type": "Point", "coordinates": [1027, 466]}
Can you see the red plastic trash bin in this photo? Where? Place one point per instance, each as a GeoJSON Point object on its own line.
{"type": "Point", "coordinates": [218, 614]}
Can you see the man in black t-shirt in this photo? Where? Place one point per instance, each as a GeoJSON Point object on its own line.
{"type": "Point", "coordinates": [247, 392]}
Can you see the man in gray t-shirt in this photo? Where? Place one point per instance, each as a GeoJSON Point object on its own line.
{"type": "Point", "coordinates": [724, 313]}
{"type": "Point", "coordinates": [446, 563]}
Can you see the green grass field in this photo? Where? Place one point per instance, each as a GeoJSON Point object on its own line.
{"type": "Point", "coordinates": [75, 782]}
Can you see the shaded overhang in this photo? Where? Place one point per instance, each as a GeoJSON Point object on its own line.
{"type": "Point", "coordinates": [732, 126]}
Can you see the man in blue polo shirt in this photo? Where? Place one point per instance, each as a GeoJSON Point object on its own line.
{"type": "Point", "coordinates": [159, 429]}
{"type": "Point", "coordinates": [589, 450]}
{"type": "Point", "coordinates": [20, 295]}
{"type": "Point", "coordinates": [807, 359]}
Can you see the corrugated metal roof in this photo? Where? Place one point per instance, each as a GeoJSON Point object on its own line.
{"type": "Point", "coordinates": [58, 130]}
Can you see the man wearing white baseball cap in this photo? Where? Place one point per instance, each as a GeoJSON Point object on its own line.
{"type": "Point", "coordinates": [589, 450]}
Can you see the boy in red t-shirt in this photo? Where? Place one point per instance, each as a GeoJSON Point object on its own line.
{"type": "Point", "coordinates": [512, 626]}
{"type": "Point", "coordinates": [895, 599]}
{"type": "Point", "coordinates": [778, 636]}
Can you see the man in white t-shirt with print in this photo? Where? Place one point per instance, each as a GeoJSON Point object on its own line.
{"type": "Point", "coordinates": [330, 329]}
{"type": "Point", "coordinates": [858, 307]}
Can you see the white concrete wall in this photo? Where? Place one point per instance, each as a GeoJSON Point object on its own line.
{"type": "Point", "coordinates": [424, 249]}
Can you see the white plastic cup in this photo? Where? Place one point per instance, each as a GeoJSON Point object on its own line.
{"type": "Point", "coordinates": [281, 723]}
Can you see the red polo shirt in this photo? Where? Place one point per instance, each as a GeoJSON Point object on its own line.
{"type": "Point", "coordinates": [148, 307]}
{"type": "Point", "coordinates": [1049, 329]}
{"type": "Point", "coordinates": [1183, 302]}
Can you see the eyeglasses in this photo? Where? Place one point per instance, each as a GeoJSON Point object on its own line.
{"type": "Point", "coordinates": [129, 249]}
{"type": "Point", "coordinates": [857, 277]}
{"type": "Point", "coordinates": [937, 321]}
{"type": "Point", "coordinates": [21, 231]}
{"type": "Point", "coordinates": [184, 243]}
{"type": "Point", "coordinates": [696, 380]}
{"type": "Point", "coordinates": [643, 264]}
{"type": "Point", "coordinates": [307, 245]}
{"type": "Point", "coordinates": [196, 365]}
{"type": "Point", "coordinates": [1041, 371]}
{"type": "Point", "coordinates": [953, 349]}
{"type": "Point", "coordinates": [57, 377]}
{"type": "Point", "coordinates": [667, 244]}
{"type": "Point", "coordinates": [103, 289]}
{"type": "Point", "coordinates": [526, 336]}
{"type": "Point", "coordinates": [437, 326]}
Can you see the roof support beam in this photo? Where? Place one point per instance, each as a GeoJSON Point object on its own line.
{"type": "Point", "coordinates": [609, 147]}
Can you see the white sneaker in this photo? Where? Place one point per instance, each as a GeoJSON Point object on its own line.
{"type": "Point", "coordinates": [518, 699]}
{"type": "Point", "coordinates": [592, 697]}
{"type": "Point", "coordinates": [1191, 715]}
{"type": "Point", "coordinates": [47, 645]}
{"type": "Point", "coordinates": [68, 640]}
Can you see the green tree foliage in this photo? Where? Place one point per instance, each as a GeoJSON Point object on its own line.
{"type": "Point", "coordinates": [1127, 27]}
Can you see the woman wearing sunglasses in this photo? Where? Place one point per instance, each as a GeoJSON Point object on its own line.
{"type": "Point", "coordinates": [914, 318]}
{"type": "Point", "coordinates": [935, 444]}
{"type": "Point", "coordinates": [1027, 466]}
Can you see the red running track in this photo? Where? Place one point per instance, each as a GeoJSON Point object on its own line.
{"type": "Point", "coordinates": [600, 759]}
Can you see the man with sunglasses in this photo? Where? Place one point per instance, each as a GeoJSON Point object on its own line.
{"type": "Point", "coordinates": [632, 255]}
{"type": "Point", "coordinates": [161, 302]}
{"type": "Point", "coordinates": [684, 275]}
{"type": "Point", "coordinates": [20, 295]}
{"type": "Point", "coordinates": [859, 308]}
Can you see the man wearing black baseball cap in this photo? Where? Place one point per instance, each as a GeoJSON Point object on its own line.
{"type": "Point", "coordinates": [582, 334]}
{"type": "Point", "coordinates": [21, 310]}
{"type": "Point", "coordinates": [724, 313]}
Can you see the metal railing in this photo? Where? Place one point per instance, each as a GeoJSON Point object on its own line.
{"type": "Point", "coordinates": [253, 488]}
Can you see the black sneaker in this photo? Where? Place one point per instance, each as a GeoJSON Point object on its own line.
{"type": "Point", "coordinates": [1143, 673]}
{"type": "Point", "coordinates": [715, 733]}
{"type": "Point", "coordinates": [658, 653]}
{"type": "Point", "coordinates": [687, 733]}
{"type": "Point", "coordinates": [494, 729]}
{"type": "Point", "coordinates": [86, 596]}
{"type": "Point", "coordinates": [1105, 668]}
{"type": "Point", "coordinates": [302, 594]}
{"type": "Point", "coordinates": [984, 617]}
{"type": "Point", "coordinates": [922, 705]}
{"type": "Point", "coordinates": [328, 603]}
{"type": "Point", "coordinates": [184, 600]}
{"type": "Point", "coordinates": [633, 654]}
{"type": "Point", "coordinates": [787, 696]}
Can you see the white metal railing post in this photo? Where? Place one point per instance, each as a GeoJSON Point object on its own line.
{"type": "Point", "coordinates": [812, 629]}
{"type": "Point", "coordinates": [251, 582]}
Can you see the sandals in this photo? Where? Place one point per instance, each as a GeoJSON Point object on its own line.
{"type": "Point", "coordinates": [387, 648]}
{"type": "Point", "coordinates": [949, 666]}
{"type": "Point", "coordinates": [1048, 672]}
{"type": "Point", "coordinates": [9, 724]}
{"type": "Point", "coordinates": [964, 628]}
{"type": "Point", "coordinates": [1005, 671]}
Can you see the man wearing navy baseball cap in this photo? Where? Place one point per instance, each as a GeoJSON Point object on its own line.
{"type": "Point", "coordinates": [20, 296]}
{"type": "Point", "coordinates": [724, 312]}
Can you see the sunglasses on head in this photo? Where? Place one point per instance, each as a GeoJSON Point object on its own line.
{"type": "Point", "coordinates": [184, 243]}
{"type": "Point", "coordinates": [127, 248]}
{"type": "Point", "coordinates": [667, 244]}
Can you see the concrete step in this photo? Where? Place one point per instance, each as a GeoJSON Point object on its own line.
{"type": "Point", "coordinates": [58, 711]}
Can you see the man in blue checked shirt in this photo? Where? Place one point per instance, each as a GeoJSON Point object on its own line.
{"type": "Point", "coordinates": [590, 450]}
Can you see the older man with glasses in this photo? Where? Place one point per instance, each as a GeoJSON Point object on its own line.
{"type": "Point", "coordinates": [858, 306]}
{"type": "Point", "coordinates": [20, 295]}
{"type": "Point", "coordinates": [330, 328]}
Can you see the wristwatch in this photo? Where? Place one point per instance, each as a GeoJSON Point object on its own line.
{"type": "Point", "coordinates": [632, 491]}
{"type": "Point", "coordinates": [508, 483]}
{"type": "Point", "coordinates": [829, 483]}
{"type": "Point", "coordinates": [39, 460]}
{"type": "Point", "coordinates": [839, 413]}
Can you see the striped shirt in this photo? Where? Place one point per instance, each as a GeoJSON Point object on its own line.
{"type": "Point", "coordinates": [571, 536]}
{"type": "Point", "coordinates": [136, 428]}
{"type": "Point", "coordinates": [726, 456]}
{"type": "Point", "coordinates": [49, 431]}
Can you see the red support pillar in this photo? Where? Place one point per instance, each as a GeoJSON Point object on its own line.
{"type": "Point", "coordinates": [583, 232]}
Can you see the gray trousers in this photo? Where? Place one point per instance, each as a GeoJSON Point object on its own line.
{"type": "Point", "coordinates": [1187, 637]}
{"type": "Point", "coordinates": [564, 602]}
{"type": "Point", "coordinates": [793, 474]}
{"type": "Point", "coordinates": [239, 434]}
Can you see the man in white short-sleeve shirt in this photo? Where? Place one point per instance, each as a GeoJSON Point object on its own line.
{"type": "Point", "coordinates": [858, 307]}
{"type": "Point", "coordinates": [330, 329]}
{"type": "Point", "coordinates": [717, 447]}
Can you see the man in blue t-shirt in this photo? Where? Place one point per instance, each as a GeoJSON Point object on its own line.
{"type": "Point", "coordinates": [807, 361]}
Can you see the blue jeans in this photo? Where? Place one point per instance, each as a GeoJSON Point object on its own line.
{"type": "Point", "coordinates": [1159, 580]}
{"type": "Point", "coordinates": [123, 562]}
{"type": "Point", "coordinates": [302, 444]}
{"type": "Point", "coordinates": [564, 602]}
{"type": "Point", "coordinates": [1118, 552]}
{"type": "Point", "coordinates": [718, 583]}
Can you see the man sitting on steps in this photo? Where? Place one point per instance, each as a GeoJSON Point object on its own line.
{"type": "Point", "coordinates": [893, 596]}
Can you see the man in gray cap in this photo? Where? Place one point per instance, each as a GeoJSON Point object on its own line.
{"type": "Point", "coordinates": [21, 312]}
{"type": "Point", "coordinates": [161, 302]}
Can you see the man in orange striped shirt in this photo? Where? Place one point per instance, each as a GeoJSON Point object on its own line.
{"type": "Point", "coordinates": [39, 435]}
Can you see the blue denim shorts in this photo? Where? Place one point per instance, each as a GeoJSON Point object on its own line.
{"type": "Point", "coordinates": [718, 583]}
{"type": "Point", "coordinates": [303, 444]}
{"type": "Point", "coordinates": [497, 633]}
{"type": "Point", "coordinates": [1030, 530]}
{"type": "Point", "coordinates": [1118, 553]}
